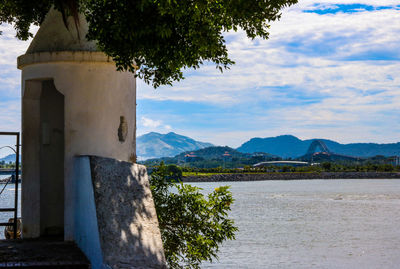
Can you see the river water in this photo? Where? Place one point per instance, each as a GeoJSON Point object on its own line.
{"type": "Point", "coordinates": [313, 224]}
{"type": "Point", "coordinates": [306, 224]}
{"type": "Point", "coordinates": [7, 201]}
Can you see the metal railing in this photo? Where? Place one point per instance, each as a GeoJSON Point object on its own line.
{"type": "Point", "coordinates": [15, 208]}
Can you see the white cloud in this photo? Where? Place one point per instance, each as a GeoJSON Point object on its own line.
{"type": "Point", "coordinates": [10, 77]}
{"type": "Point", "coordinates": [331, 59]}
{"type": "Point", "coordinates": [10, 115]}
{"type": "Point", "coordinates": [10, 46]}
{"type": "Point", "coordinates": [10, 121]}
{"type": "Point", "coordinates": [274, 63]}
{"type": "Point", "coordinates": [147, 124]}
{"type": "Point", "coordinates": [322, 58]}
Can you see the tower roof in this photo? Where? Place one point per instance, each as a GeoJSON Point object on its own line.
{"type": "Point", "coordinates": [54, 36]}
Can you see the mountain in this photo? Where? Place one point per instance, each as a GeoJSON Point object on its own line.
{"type": "Point", "coordinates": [284, 146]}
{"type": "Point", "coordinates": [290, 146]}
{"type": "Point", "coordinates": [156, 145]}
{"type": "Point", "coordinates": [213, 157]}
{"type": "Point", "coordinates": [214, 152]}
{"type": "Point", "coordinates": [9, 158]}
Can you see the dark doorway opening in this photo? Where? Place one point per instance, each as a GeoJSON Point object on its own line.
{"type": "Point", "coordinates": [51, 160]}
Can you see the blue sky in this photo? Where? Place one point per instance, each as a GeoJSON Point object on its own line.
{"type": "Point", "coordinates": [330, 69]}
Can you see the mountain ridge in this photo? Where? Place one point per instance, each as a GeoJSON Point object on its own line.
{"type": "Point", "coordinates": [9, 158]}
{"type": "Point", "coordinates": [289, 146]}
{"type": "Point", "coordinates": [156, 145]}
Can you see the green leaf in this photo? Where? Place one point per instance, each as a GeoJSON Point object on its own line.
{"type": "Point", "coordinates": [192, 226]}
{"type": "Point", "coordinates": [156, 39]}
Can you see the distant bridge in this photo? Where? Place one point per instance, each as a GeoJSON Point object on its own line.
{"type": "Point", "coordinates": [311, 152]}
{"type": "Point", "coordinates": [315, 144]}
{"type": "Point", "coordinates": [298, 163]}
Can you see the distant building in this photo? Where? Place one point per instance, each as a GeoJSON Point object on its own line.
{"type": "Point", "coordinates": [394, 160]}
{"type": "Point", "coordinates": [190, 157]}
{"type": "Point", "coordinates": [226, 156]}
{"type": "Point", "coordinates": [282, 163]}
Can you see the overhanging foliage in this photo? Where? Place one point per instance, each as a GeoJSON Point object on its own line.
{"type": "Point", "coordinates": [156, 38]}
{"type": "Point", "coordinates": [192, 226]}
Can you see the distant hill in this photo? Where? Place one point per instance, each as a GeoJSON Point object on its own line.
{"type": "Point", "coordinates": [9, 158]}
{"type": "Point", "coordinates": [156, 145]}
{"type": "Point", "coordinates": [212, 157]}
{"type": "Point", "coordinates": [290, 146]}
{"type": "Point", "coordinates": [214, 152]}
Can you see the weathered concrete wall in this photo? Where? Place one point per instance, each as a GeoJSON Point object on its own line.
{"type": "Point", "coordinates": [127, 220]}
{"type": "Point", "coordinates": [96, 96]}
{"type": "Point", "coordinates": [291, 176]}
{"type": "Point", "coordinates": [30, 191]}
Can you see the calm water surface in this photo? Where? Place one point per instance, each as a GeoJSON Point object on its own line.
{"type": "Point", "coordinates": [313, 224]}
{"type": "Point", "coordinates": [306, 224]}
{"type": "Point", "coordinates": [7, 201]}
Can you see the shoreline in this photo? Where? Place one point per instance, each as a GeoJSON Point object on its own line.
{"type": "Point", "coordinates": [11, 181]}
{"type": "Point", "coordinates": [291, 176]}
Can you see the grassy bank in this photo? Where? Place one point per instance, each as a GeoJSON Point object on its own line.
{"type": "Point", "coordinates": [215, 177]}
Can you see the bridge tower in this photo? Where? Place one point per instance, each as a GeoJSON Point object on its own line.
{"type": "Point", "coordinates": [314, 145]}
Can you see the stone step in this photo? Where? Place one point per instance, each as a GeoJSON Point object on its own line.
{"type": "Point", "coordinates": [41, 253]}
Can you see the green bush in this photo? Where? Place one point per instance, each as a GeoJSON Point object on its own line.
{"type": "Point", "coordinates": [192, 226]}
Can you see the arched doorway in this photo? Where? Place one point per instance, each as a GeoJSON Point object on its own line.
{"type": "Point", "coordinates": [51, 160]}
{"type": "Point", "coordinates": [42, 159]}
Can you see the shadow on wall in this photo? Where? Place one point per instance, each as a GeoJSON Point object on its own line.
{"type": "Point", "coordinates": [127, 223]}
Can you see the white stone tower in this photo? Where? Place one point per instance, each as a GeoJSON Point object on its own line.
{"type": "Point", "coordinates": [74, 103]}
{"type": "Point", "coordinates": [78, 138]}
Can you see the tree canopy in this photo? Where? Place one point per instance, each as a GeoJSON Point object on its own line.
{"type": "Point", "coordinates": [192, 225]}
{"type": "Point", "coordinates": [156, 38]}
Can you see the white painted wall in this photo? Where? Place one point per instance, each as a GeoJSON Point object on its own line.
{"type": "Point", "coordinates": [95, 97]}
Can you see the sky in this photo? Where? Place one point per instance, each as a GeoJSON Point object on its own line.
{"type": "Point", "coordinates": [330, 69]}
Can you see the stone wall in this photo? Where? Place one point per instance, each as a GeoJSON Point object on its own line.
{"type": "Point", "coordinates": [291, 176]}
{"type": "Point", "coordinates": [126, 216]}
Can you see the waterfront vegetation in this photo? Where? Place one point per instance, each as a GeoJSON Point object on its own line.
{"type": "Point", "coordinates": [7, 165]}
{"type": "Point", "coordinates": [192, 225]}
{"type": "Point", "coordinates": [323, 167]}
{"type": "Point", "coordinates": [319, 168]}
{"type": "Point", "coordinates": [227, 160]}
